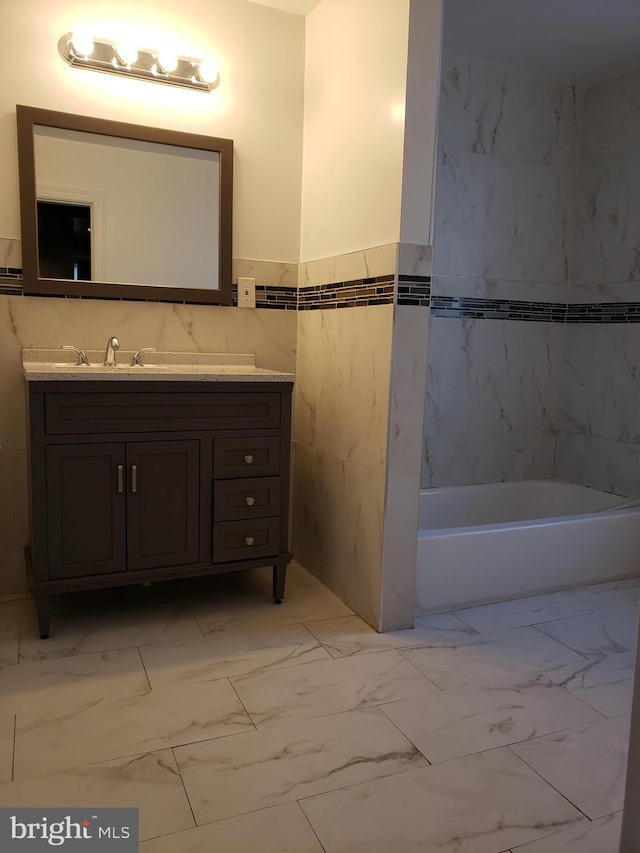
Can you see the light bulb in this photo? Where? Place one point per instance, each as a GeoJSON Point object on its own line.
{"type": "Point", "coordinates": [207, 71]}
{"type": "Point", "coordinates": [167, 62]}
{"type": "Point", "coordinates": [82, 44]}
{"type": "Point", "coordinates": [126, 53]}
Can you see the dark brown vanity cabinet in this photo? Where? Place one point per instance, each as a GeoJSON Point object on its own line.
{"type": "Point", "coordinates": [118, 507]}
{"type": "Point", "coordinates": [140, 483]}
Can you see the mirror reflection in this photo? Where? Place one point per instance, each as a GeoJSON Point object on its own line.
{"type": "Point", "coordinates": [123, 211]}
{"type": "Point", "coordinates": [126, 211]}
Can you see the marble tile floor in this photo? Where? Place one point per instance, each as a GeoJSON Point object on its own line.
{"type": "Point", "coordinates": [235, 725]}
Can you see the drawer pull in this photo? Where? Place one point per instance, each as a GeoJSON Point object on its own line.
{"type": "Point", "coordinates": [248, 540]}
{"type": "Point", "coordinates": [248, 459]}
{"type": "Point", "coordinates": [249, 501]}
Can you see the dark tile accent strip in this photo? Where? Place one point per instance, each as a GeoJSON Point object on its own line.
{"type": "Point", "coordinates": [10, 287]}
{"type": "Point", "coordinates": [267, 296]}
{"type": "Point", "coordinates": [379, 290]}
{"type": "Point", "coordinates": [546, 312]}
{"type": "Point", "coordinates": [414, 290]}
{"type": "Point", "coordinates": [604, 312]}
{"type": "Point", "coordinates": [10, 281]}
{"type": "Point", "coordinates": [497, 309]}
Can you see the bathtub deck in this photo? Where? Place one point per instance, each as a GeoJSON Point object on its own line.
{"type": "Point", "coordinates": [497, 541]}
{"type": "Point", "coordinates": [232, 723]}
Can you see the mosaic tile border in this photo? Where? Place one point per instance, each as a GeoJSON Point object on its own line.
{"type": "Point", "coordinates": [378, 290]}
{"type": "Point", "coordinates": [603, 312]}
{"type": "Point", "coordinates": [414, 290]}
{"type": "Point", "coordinates": [497, 309]}
{"type": "Point", "coordinates": [10, 281]}
{"type": "Point", "coordinates": [541, 312]}
{"type": "Point", "coordinates": [271, 296]}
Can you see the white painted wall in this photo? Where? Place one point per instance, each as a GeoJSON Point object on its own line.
{"type": "Point", "coordinates": [259, 103]}
{"type": "Point", "coordinates": [355, 83]}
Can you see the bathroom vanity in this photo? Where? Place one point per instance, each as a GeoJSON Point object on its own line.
{"type": "Point", "coordinates": [146, 473]}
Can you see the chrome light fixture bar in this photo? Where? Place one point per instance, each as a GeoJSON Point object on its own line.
{"type": "Point", "coordinates": [97, 54]}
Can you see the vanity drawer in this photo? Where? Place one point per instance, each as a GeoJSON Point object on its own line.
{"type": "Point", "coordinates": [243, 540]}
{"type": "Point", "coordinates": [245, 457]}
{"type": "Point", "coordinates": [246, 498]}
{"type": "Point", "coordinates": [162, 411]}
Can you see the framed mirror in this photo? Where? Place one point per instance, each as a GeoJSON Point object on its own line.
{"type": "Point", "coordinates": [122, 211]}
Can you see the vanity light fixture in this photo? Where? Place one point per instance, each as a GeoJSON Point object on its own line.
{"type": "Point", "coordinates": [125, 55]}
{"type": "Point", "coordinates": [95, 54]}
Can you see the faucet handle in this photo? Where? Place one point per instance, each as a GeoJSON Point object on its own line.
{"type": "Point", "coordinates": [82, 356]}
{"type": "Point", "coordinates": [136, 361]}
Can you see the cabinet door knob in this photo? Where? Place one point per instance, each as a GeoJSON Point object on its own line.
{"type": "Point", "coordinates": [249, 501]}
{"type": "Point", "coordinates": [120, 479]}
{"type": "Point", "coordinates": [248, 459]}
{"type": "Point", "coordinates": [248, 540]}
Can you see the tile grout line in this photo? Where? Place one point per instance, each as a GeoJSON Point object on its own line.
{"type": "Point", "coordinates": [555, 640]}
{"type": "Point", "coordinates": [420, 752]}
{"type": "Point", "coordinates": [411, 663]}
{"type": "Point", "coordinates": [264, 728]}
{"type": "Point", "coordinates": [195, 619]}
{"type": "Point", "coordinates": [507, 745]}
{"type": "Point", "coordinates": [126, 757]}
{"type": "Point", "coordinates": [13, 752]}
{"type": "Point", "coordinates": [546, 781]}
{"type": "Point", "coordinates": [20, 633]}
{"type": "Point", "coordinates": [246, 710]}
{"type": "Point", "coordinates": [299, 804]}
{"type": "Point", "coordinates": [315, 636]}
{"type": "Point", "coordinates": [144, 668]}
{"type": "Point", "coordinates": [421, 644]}
{"type": "Point", "coordinates": [184, 788]}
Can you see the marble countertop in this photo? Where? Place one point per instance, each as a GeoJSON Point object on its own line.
{"type": "Point", "coordinates": [60, 365]}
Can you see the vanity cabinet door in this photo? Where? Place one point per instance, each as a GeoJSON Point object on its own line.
{"type": "Point", "coordinates": [163, 503]}
{"type": "Point", "coordinates": [85, 509]}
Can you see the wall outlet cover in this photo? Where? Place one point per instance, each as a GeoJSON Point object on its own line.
{"type": "Point", "coordinates": [246, 292]}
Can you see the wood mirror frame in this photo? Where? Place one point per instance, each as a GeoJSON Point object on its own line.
{"type": "Point", "coordinates": [28, 118]}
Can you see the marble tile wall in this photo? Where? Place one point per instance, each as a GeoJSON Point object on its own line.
{"type": "Point", "coordinates": [493, 397]}
{"type": "Point", "coordinates": [360, 386]}
{"type": "Point", "coordinates": [51, 322]}
{"type": "Point", "coordinates": [10, 254]}
{"type": "Point", "coordinates": [376, 261]}
{"type": "Point", "coordinates": [409, 356]}
{"type": "Point", "coordinates": [599, 444]}
{"type": "Point", "coordinates": [504, 210]}
{"type": "Point", "coordinates": [340, 448]}
{"type": "Point", "coordinates": [608, 226]}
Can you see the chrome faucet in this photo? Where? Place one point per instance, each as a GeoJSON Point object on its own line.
{"type": "Point", "coordinates": [113, 345]}
{"type": "Point", "coordinates": [136, 361]}
{"type": "Point", "coordinates": [82, 356]}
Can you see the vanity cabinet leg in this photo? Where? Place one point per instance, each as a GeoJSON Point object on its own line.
{"type": "Point", "coordinates": [279, 576]}
{"type": "Point", "coordinates": [42, 611]}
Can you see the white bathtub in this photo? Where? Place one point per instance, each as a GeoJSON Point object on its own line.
{"type": "Point", "coordinates": [503, 540]}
